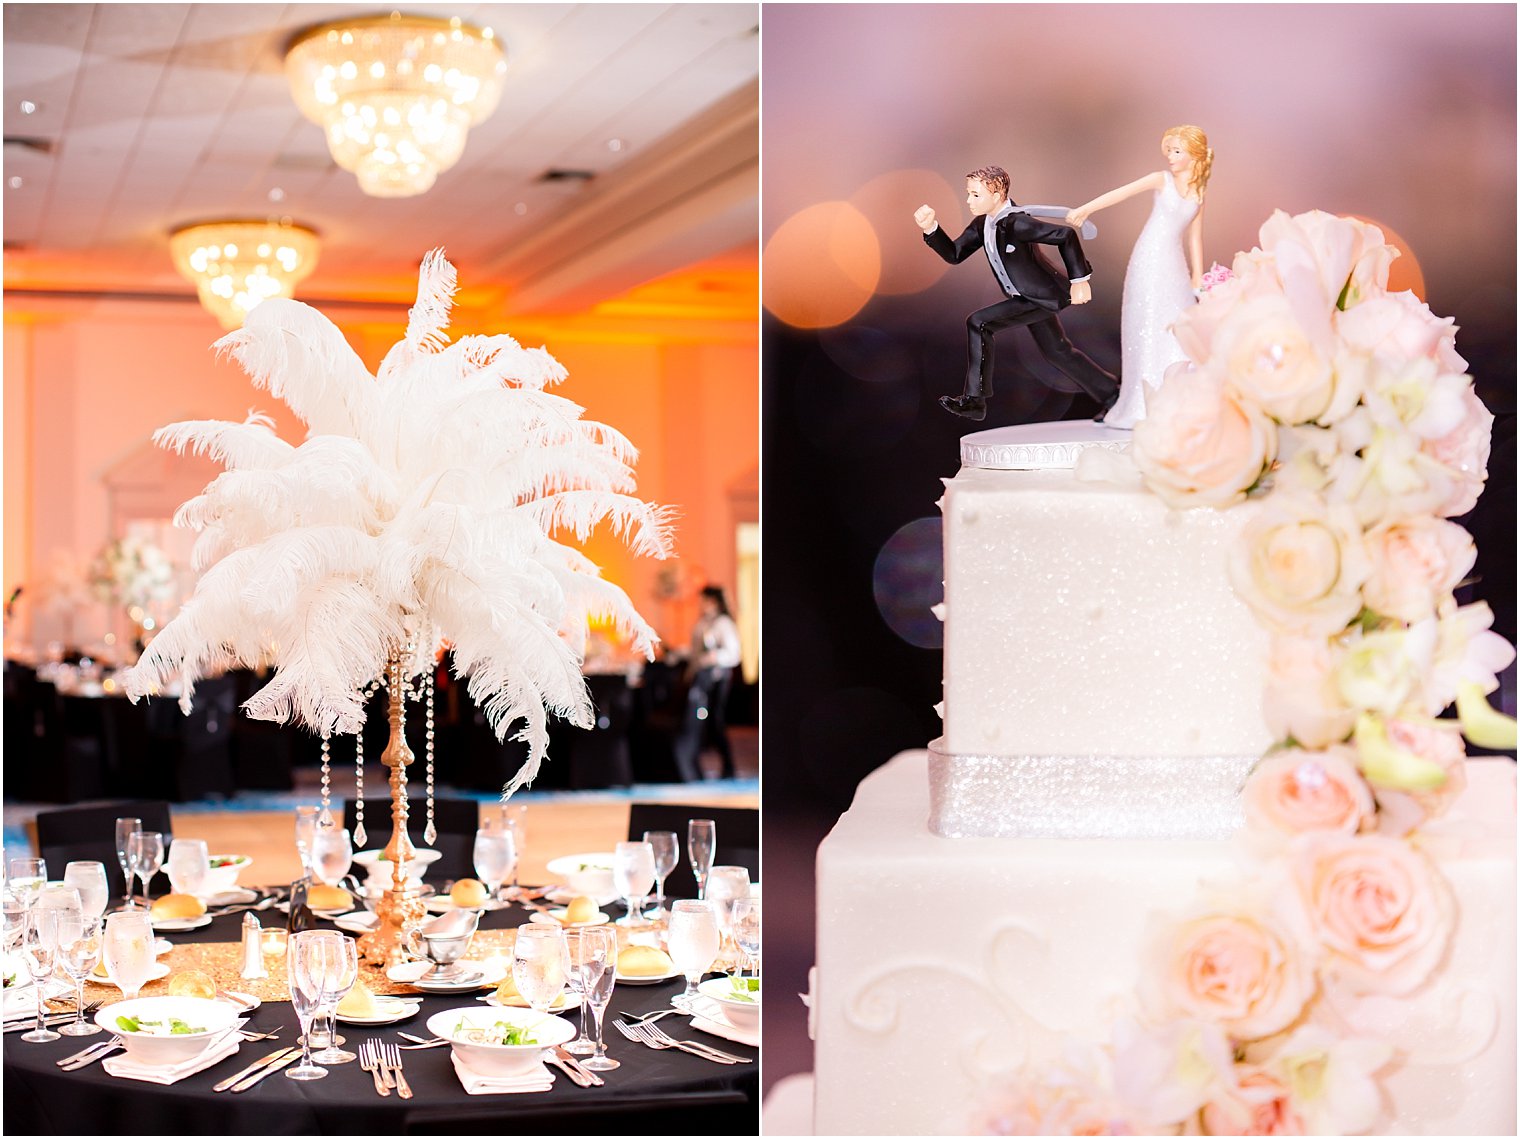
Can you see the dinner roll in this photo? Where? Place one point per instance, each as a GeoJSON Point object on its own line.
{"type": "Point", "coordinates": [507, 990]}
{"type": "Point", "coordinates": [644, 961]}
{"type": "Point", "coordinates": [178, 907]}
{"type": "Point", "coordinates": [192, 983]}
{"type": "Point", "coordinates": [359, 1001]}
{"type": "Point", "coordinates": [324, 897]}
{"type": "Point", "coordinates": [581, 909]}
{"type": "Point", "coordinates": [469, 893]}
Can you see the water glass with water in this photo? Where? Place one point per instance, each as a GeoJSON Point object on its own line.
{"type": "Point", "coordinates": [89, 878]}
{"type": "Point", "coordinates": [26, 876]}
{"type": "Point", "coordinates": [128, 950]}
{"type": "Point", "coordinates": [189, 863]}
{"type": "Point", "coordinates": [692, 940]}
{"type": "Point", "coordinates": [632, 875]}
{"type": "Point", "coordinates": [306, 829]}
{"type": "Point", "coordinates": [495, 854]}
{"type": "Point", "coordinates": [332, 852]}
{"type": "Point", "coordinates": [539, 964]}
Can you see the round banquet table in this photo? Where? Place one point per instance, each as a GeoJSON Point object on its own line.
{"type": "Point", "coordinates": [653, 1092]}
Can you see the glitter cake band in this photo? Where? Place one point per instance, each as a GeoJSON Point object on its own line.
{"type": "Point", "coordinates": [1085, 796]}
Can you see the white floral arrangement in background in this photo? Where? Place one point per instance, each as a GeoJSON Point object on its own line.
{"type": "Point", "coordinates": [132, 573]}
{"type": "Point", "coordinates": [1346, 411]}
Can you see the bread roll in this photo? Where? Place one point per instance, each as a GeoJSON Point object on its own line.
{"type": "Point", "coordinates": [644, 961]}
{"type": "Point", "coordinates": [507, 990]}
{"type": "Point", "coordinates": [359, 1002]}
{"type": "Point", "coordinates": [323, 897]}
{"type": "Point", "coordinates": [178, 907]}
{"type": "Point", "coordinates": [581, 909]}
{"type": "Point", "coordinates": [469, 893]}
{"type": "Point", "coordinates": [192, 983]}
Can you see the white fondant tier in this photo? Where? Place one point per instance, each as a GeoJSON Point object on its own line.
{"type": "Point", "coordinates": [945, 965]}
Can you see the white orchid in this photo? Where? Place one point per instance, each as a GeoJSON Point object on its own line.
{"type": "Point", "coordinates": [420, 508]}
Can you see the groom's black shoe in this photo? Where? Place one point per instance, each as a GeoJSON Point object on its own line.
{"type": "Point", "coordinates": [966, 406]}
{"type": "Point", "coordinates": [1108, 405]}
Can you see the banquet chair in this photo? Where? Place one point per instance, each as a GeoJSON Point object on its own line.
{"type": "Point", "coordinates": [456, 821]}
{"type": "Point", "coordinates": [738, 834]}
{"type": "Point", "coordinates": [89, 833]}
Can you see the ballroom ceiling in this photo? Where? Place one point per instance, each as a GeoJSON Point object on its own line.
{"type": "Point", "coordinates": [152, 116]}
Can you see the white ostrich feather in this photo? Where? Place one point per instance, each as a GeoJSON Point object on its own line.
{"type": "Point", "coordinates": [420, 510]}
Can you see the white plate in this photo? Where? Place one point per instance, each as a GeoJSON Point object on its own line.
{"type": "Point", "coordinates": [565, 1002]}
{"type": "Point", "coordinates": [392, 1010]}
{"type": "Point", "coordinates": [563, 896]}
{"type": "Point", "coordinates": [330, 915]}
{"type": "Point", "coordinates": [410, 972]}
{"type": "Point", "coordinates": [621, 979]}
{"type": "Point", "coordinates": [238, 897]}
{"type": "Point", "coordinates": [161, 945]}
{"type": "Point", "coordinates": [442, 904]}
{"type": "Point", "coordinates": [181, 925]}
{"type": "Point", "coordinates": [557, 917]}
{"type": "Point", "coordinates": [360, 921]}
{"type": "Point", "coordinates": [160, 969]}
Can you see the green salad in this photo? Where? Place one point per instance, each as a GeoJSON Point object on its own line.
{"type": "Point", "coordinates": [743, 988]}
{"type": "Point", "coordinates": [226, 860]}
{"type": "Point", "coordinates": [172, 1027]}
{"type": "Point", "coordinates": [502, 1032]}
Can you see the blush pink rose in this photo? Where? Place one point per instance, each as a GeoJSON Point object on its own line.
{"type": "Point", "coordinates": [1273, 361]}
{"type": "Point", "coordinates": [1464, 452]}
{"type": "Point", "coordinates": [1302, 700]}
{"type": "Point", "coordinates": [1300, 565]}
{"type": "Point", "coordinates": [1439, 742]}
{"type": "Point", "coordinates": [1378, 907]}
{"type": "Point", "coordinates": [1260, 1105]}
{"type": "Point", "coordinates": [1343, 256]}
{"type": "Point", "coordinates": [1198, 444]}
{"type": "Point", "coordinates": [1416, 563]}
{"type": "Point", "coordinates": [1399, 327]}
{"type": "Point", "coordinates": [1294, 791]}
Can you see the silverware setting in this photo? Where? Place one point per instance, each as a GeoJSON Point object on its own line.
{"type": "Point", "coordinates": [256, 1066]}
{"type": "Point", "coordinates": [50, 1019]}
{"type": "Point", "coordinates": [268, 1070]}
{"type": "Point", "coordinates": [575, 1069]}
{"type": "Point", "coordinates": [97, 1051]}
{"type": "Point", "coordinates": [652, 1036]}
{"type": "Point", "coordinates": [390, 1057]}
{"type": "Point", "coordinates": [419, 1042]}
{"type": "Point", "coordinates": [369, 1060]}
{"type": "Point", "coordinates": [646, 1018]}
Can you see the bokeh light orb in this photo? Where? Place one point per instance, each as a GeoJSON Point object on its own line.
{"type": "Point", "coordinates": [908, 580]}
{"type": "Point", "coordinates": [888, 202]}
{"type": "Point", "coordinates": [1405, 272]}
{"type": "Point", "coordinates": [821, 266]}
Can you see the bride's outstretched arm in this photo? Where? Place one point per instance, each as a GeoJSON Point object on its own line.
{"type": "Point", "coordinates": [1139, 185]}
{"type": "Point", "coordinates": [1195, 247]}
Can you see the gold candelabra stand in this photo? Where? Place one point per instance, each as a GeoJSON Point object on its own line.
{"type": "Point", "coordinates": [398, 908]}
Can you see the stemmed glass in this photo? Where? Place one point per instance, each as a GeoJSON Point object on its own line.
{"type": "Point", "coordinates": [15, 919]}
{"type": "Point", "coordinates": [89, 878]}
{"type": "Point", "coordinates": [340, 972]}
{"type": "Point", "coordinates": [40, 946]}
{"type": "Point", "coordinates": [692, 940]}
{"type": "Point", "coordinates": [128, 950]}
{"type": "Point", "coordinates": [125, 829]}
{"type": "Point", "coordinates": [79, 938]}
{"type": "Point", "coordinates": [515, 818]}
{"type": "Point", "coordinates": [145, 854]}
{"type": "Point", "coordinates": [307, 968]}
{"type": "Point", "coordinates": [306, 829]}
{"type": "Point", "coordinates": [667, 852]}
{"type": "Point", "coordinates": [189, 863]}
{"type": "Point", "coordinates": [495, 855]}
{"type": "Point", "coordinates": [539, 963]}
{"type": "Point", "coordinates": [576, 944]}
{"type": "Point", "coordinates": [331, 851]}
{"type": "Point", "coordinates": [701, 841]}
{"type": "Point", "coordinates": [725, 884]}
{"type": "Point", "coordinates": [632, 875]}
{"type": "Point", "coordinates": [744, 920]}
{"type": "Point", "coordinates": [26, 876]}
{"type": "Point", "coordinates": [598, 976]}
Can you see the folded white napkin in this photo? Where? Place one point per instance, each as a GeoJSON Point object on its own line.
{"type": "Point", "coordinates": [129, 1069]}
{"type": "Point", "coordinates": [714, 1027]}
{"type": "Point", "coordinates": [537, 1080]}
{"type": "Point", "coordinates": [20, 1003]}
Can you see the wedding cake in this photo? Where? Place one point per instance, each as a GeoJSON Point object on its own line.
{"type": "Point", "coordinates": [1196, 856]}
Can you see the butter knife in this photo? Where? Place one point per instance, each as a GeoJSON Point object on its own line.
{"type": "Point", "coordinates": [268, 1070]}
{"type": "Point", "coordinates": [591, 1078]}
{"type": "Point", "coordinates": [252, 1068]}
{"type": "Point", "coordinates": [553, 1057]}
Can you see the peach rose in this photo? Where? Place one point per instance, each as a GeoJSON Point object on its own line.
{"type": "Point", "coordinates": [1399, 327]}
{"type": "Point", "coordinates": [1197, 328]}
{"type": "Point", "coordinates": [1416, 563]}
{"type": "Point", "coordinates": [1260, 1105]}
{"type": "Point", "coordinates": [1293, 791]}
{"type": "Point", "coordinates": [1301, 701]}
{"type": "Point", "coordinates": [1199, 445]}
{"type": "Point", "coordinates": [1438, 742]}
{"type": "Point", "coordinates": [1273, 361]}
{"type": "Point", "coordinates": [1234, 970]}
{"type": "Point", "coordinates": [1378, 907]}
{"type": "Point", "coordinates": [1300, 565]}
{"type": "Point", "coordinates": [1347, 259]}
{"type": "Point", "coordinates": [1464, 452]}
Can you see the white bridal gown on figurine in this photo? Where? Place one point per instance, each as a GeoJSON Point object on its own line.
{"type": "Point", "coordinates": [1157, 288]}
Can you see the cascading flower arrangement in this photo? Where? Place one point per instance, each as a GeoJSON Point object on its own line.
{"type": "Point", "coordinates": [1345, 411]}
{"type": "Point", "coordinates": [132, 573]}
{"type": "Point", "coordinates": [420, 510]}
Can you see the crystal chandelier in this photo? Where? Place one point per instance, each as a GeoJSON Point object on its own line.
{"type": "Point", "coordinates": [236, 264]}
{"type": "Point", "coordinates": [396, 94]}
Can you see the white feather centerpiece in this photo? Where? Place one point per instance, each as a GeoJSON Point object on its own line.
{"type": "Point", "coordinates": [421, 509]}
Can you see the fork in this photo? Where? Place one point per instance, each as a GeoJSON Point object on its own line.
{"type": "Point", "coordinates": [392, 1057]}
{"type": "Point", "coordinates": [657, 1037]}
{"type": "Point", "coordinates": [646, 1018]}
{"type": "Point", "coordinates": [88, 1056]}
{"type": "Point", "coordinates": [370, 1062]}
{"type": "Point", "coordinates": [275, 1035]}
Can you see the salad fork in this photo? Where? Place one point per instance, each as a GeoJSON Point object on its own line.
{"type": "Point", "coordinates": [392, 1058]}
{"type": "Point", "coordinates": [370, 1062]}
{"type": "Point", "coordinates": [655, 1037]}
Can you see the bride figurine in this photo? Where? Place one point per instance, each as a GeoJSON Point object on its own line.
{"type": "Point", "coordinates": [1159, 284]}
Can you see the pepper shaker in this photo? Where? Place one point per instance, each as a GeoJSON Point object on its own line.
{"type": "Point", "coordinates": [253, 948]}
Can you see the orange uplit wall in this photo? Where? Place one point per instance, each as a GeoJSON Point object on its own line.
{"type": "Point", "coordinates": [87, 382]}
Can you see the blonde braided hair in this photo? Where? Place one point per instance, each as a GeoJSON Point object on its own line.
{"type": "Point", "coordinates": [1196, 143]}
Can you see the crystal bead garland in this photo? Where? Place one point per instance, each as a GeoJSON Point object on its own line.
{"type": "Point", "coordinates": [325, 818]}
{"type": "Point", "coordinates": [361, 837]}
{"type": "Point", "coordinates": [430, 835]}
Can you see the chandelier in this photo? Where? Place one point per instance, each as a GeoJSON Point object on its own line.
{"type": "Point", "coordinates": [235, 264]}
{"type": "Point", "coordinates": [396, 94]}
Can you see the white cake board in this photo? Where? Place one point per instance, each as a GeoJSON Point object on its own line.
{"type": "Point", "coordinates": [1040, 446]}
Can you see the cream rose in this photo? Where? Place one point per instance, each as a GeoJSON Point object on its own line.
{"type": "Point", "coordinates": [1273, 361]}
{"type": "Point", "coordinates": [1234, 970]}
{"type": "Point", "coordinates": [1198, 445]}
{"type": "Point", "coordinates": [1438, 742]}
{"type": "Point", "coordinates": [1300, 566]}
{"type": "Point", "coordinates": [1399, 327]}
{"type": "Point", "coordinates": [1294, 791]}
{"type": "Point", "coordinates": [1379, 909]}
{"type": "Point", "coordinates": [1416, 563]}
{"type": "Point", "coordinates": [1302, 701]}
{"type": "Point", "coordinates": [1464, 452]}
{"type": "Point", "coordinates": [1260, 1105]}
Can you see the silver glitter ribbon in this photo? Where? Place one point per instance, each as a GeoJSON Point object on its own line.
{"type": "Point", "coordinates": [1085, 796]}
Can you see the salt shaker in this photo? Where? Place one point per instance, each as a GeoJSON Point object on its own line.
{"type": "Point", "coordinates": [253, 948]}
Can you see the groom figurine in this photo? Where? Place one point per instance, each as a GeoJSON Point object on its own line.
{"type": "Point", "coordinates": [1034, 291]}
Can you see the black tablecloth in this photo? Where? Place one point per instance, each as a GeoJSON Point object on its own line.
{"type": "Point", "coordinates": [670, 1092]}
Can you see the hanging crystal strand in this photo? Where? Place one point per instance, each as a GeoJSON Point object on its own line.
{"type": "Point", "coordinates": [324, 819]}
{"type": "Point", "coordinates": [431, 833]}
{"type": "Point", "coordinates": [360, 837]}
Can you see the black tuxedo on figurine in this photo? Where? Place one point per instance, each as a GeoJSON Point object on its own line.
{"type": "Point", "coordinates": [1035, 294]}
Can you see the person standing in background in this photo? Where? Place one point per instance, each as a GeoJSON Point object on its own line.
{"type": "Point", "coordinates": [714, 656]}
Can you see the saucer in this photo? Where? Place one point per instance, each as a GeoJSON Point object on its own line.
{"type": "Point", "coordinates": [558, 916]}
{"type": "Point", "coordinates": [181, 925]}
{"type": "Point", "coordinates": [565, 1002]}
{"type": "Point", "coordinates": [658, 979]}
{"type": "Point", "coordinates": [160, 970]}
{"type": "Point", "coordinates": [389, 1011]}
{"type": "Point", "coordinates": [410, 973]}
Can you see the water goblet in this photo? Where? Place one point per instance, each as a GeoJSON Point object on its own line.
{"type": "Point", "coordinates": [39, 945]}
{"type": "Point", "coordinates": [306, 829]}
{"type": "Point", "coordinates": [145, 852]}
{"type": "Point", "coordinates": [539, 964]}
{"type": "Point", "coordinates": [125, 829]}
{"type": "Point", "coordinates": [26, 876]}
{"type": "Point", "coordinates": [515, 818]}
{"type": "Point", "coordinates": [495, 855]}
{"type": "Point", "coordinates": [701, 842]}
{"type": "Point", "coordinates": [667, 852]}
{"type": "Point", "coordinates": [306, 969]}
{"type": "Point", "coordinates": [598, 976]}
{"type": "Point", "coordinates": [331, 852]}
{"type": "Point", "coordinates": [188, 864]}
{"type": "Point", "coordinates": [15, 919]}
{"type": "Point", "coordinates": [89, 878]}
{"type": "Point", "coordinates": [632, 875]}
{"type": "Point", "coordinates": [724, 885]}
{"type": "Point", "coordinates": [744, 920]}
{"type": "Point", "coordinates": [79, 938]}
{"type": "Point", "coordinates": [576, 944]}
{"type": "Point", "coordinates": [341, 971]}
{"type": "Point", "coordinates": [128, 950]}
{"type": "Point", "coordinates": [692, 940]}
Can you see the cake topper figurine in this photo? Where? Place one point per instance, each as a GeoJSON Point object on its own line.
{"type": "Point", "coordinates": [1034, 292]}
{"type": "Point", "coordinates": [1158, 285]}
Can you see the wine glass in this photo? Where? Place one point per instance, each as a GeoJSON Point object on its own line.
{"type": "Point", "coordinates": [39, 943]}
{"type": "Point", "coordinates": [632, 875]}
{"type": "Point", "coordinates": [539, 963]}
{"type": "Point", "coordinates": [340, 972]}
{"type": "Point", "coordinates": [598, 976]}
{"type": "Point", "coordinates": [331, 851]}
{"type": "Point", "coordinates": [306, 969]}
{"type": "Point", "coordinates": [145, 853]}
{"type": "Point", "coordinates": [515, 818]}
{"type": "Point", "coordinates": [125, 829]}
{"type": "Point", "coordinates": [306, 829]}
{"type": "Point", "coordinates": [692, 940]}
{"type": "Point", "coordinates": [26, 876]}
{"type": "Point", "coordinates": [667, 852]}
{"type": "Point", "coordinates": [128, 950]}
{"type": "Point", "coordinates": [575, 951]}
{"type": "Point", "coordinates": [189, 863]}
{"type": "Point", "coordinates": [495, 855]}
{"type": "Point", "coordinates": [744, 920]}
{"type": "Point", "coordinates": [15, 919]}
{"type": "Point", "coordinates": [89, 878]}
{"type": "Point", "coordinates": [701, 841]}
{"type": "Point", "coordinates": [79, 938]}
